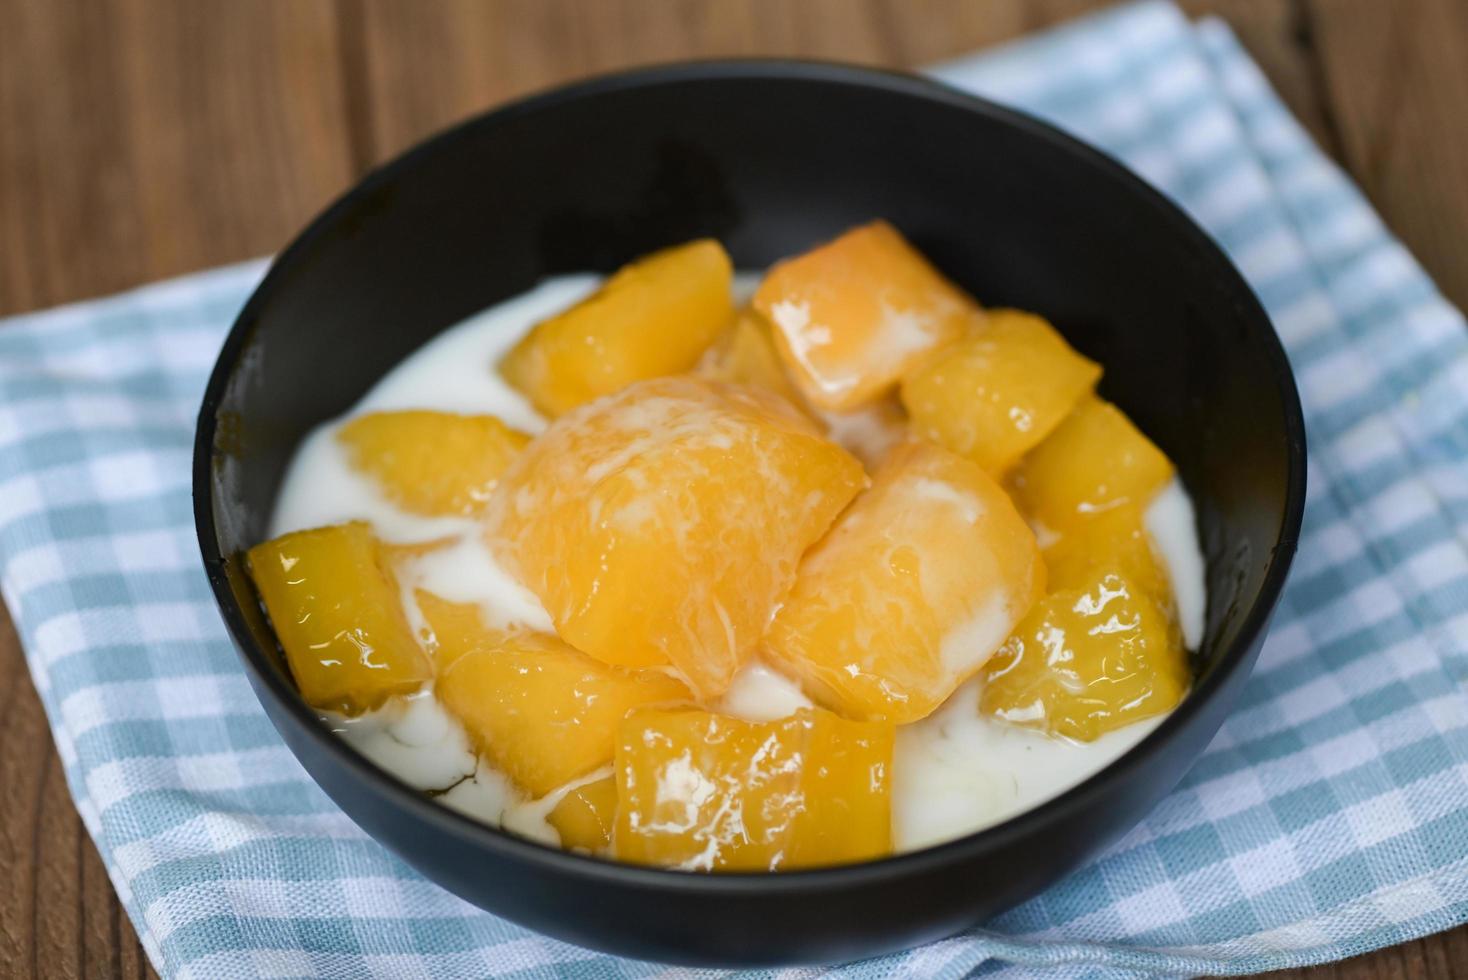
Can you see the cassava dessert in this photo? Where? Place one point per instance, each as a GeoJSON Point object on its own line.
{"type": "Point", "coordinates": [738, 572]}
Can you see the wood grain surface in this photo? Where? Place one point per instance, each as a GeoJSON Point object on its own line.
{"type": "Point", "coordinates": [145, 138]}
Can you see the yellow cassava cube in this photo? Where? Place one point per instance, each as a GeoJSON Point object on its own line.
{"type": "Point", "coordinates": [706, 792]}
{"type": "Point", "coordinates": [432, 463]}
{"type": "Point", "coordinates": [585, 816]}
{"type": "Point", "coordinates": [1095, 461]}
{"type": "Point", "coordinates": [745, 355]}
{"type": "Point", "coordinates": [1088, 660]}
{"type": "Point", "coordinates": [1112, 541]}
{"type": "Point", "coordinates": [334, 602]}
{"type": "Point", "coordinates": [541, 712]}
{"type": "Point", "coordinates": [994, 394]}
{"type": "Point", "coordinates": [652, 318]}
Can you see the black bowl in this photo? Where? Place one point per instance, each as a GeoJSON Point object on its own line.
{"type": "Point", "coordinates": [769, 157]}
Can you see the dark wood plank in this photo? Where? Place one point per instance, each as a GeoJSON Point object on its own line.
{"type": "Point", "coordinates": [1397, 80]}
{"type": "Point", "coordinates": [24, 745]}
{"type": "Point", "coordinates": [418, 74]}
{"type": "Point", "coordinates": [1279, 35]}
{"type": "Point", "coordinates": [57, 914]}
{"type": "Point", "coordinates": [140, 139]}
{"type": "Point", "coordinates": [109, 947]}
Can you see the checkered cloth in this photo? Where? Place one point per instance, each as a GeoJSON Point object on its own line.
{"type": "Point", "coordinates": [1329, 816]}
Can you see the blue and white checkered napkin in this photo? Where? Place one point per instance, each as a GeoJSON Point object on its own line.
{"type": "Point", "coordinates": [1329, 816]}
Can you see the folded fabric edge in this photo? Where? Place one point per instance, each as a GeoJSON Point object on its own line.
{"type": "Point", "coordinates": [158, 293]}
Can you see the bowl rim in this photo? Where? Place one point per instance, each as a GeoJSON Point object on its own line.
{"type": "Point", "coordinates": [506, 845]}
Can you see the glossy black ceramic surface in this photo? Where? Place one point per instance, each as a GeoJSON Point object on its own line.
{"type": "Point", "coordinates": [769, 157]}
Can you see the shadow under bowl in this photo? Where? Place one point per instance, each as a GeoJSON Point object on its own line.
{"type": "Point", "coordinates": [768, 157]}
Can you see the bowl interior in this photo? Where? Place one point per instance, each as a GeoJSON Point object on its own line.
{"type": "Point", "coordinates": [769, 160]}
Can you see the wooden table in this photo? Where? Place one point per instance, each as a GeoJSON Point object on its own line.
{"type": "Point", "coordinates": [145, 139]}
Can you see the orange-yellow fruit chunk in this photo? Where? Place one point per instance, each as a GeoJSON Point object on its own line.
{"type": "Point", "coordinates": [585, 816]}
{"type": "Point", "coordinates": [453, 629]}
{"type": "Point", "coordinates": [397, 554]}
{"type": "Point", "coordinates": [652, 318]}
{"type": "Point", "coordinates": [434, 463]}
{"type": "Point", "coordinates": [664, 523]}
{"type": "Point", "coordinates": [915, 587]}
{"type": "Point", "coordinates": [707, 792]}
{"type": "Point", "coordinates": [1095, 461]}
{"type": "Point", "coordinates": [337, 612]}
{"type": "Point", "coordinates": [993, 395]}
{"type": "Point", "coordinates": [745, 355]}
{"type": "Point", "coordinates": [1113, 541]}
{"type": "Point", "coordinates": [542, 712]}
{"type": "Point", "coordinates": [1088, 660]}
{"type": "Point", "coordinates": [855, 314]}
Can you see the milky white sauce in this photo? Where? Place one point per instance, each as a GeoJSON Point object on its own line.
{"type": "Point", "coordinates": [955, 772]}
{"type": "Point", "coordinates": [760, 693]}
{"type": "Point", "coordinates": [414, 739]}
{"type": "Point", "coordinates": [1173, 528]}
{"type": "Point", "coordinates": [867, 432]}
{"type": "Point", "coordinates": [466, 571]}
